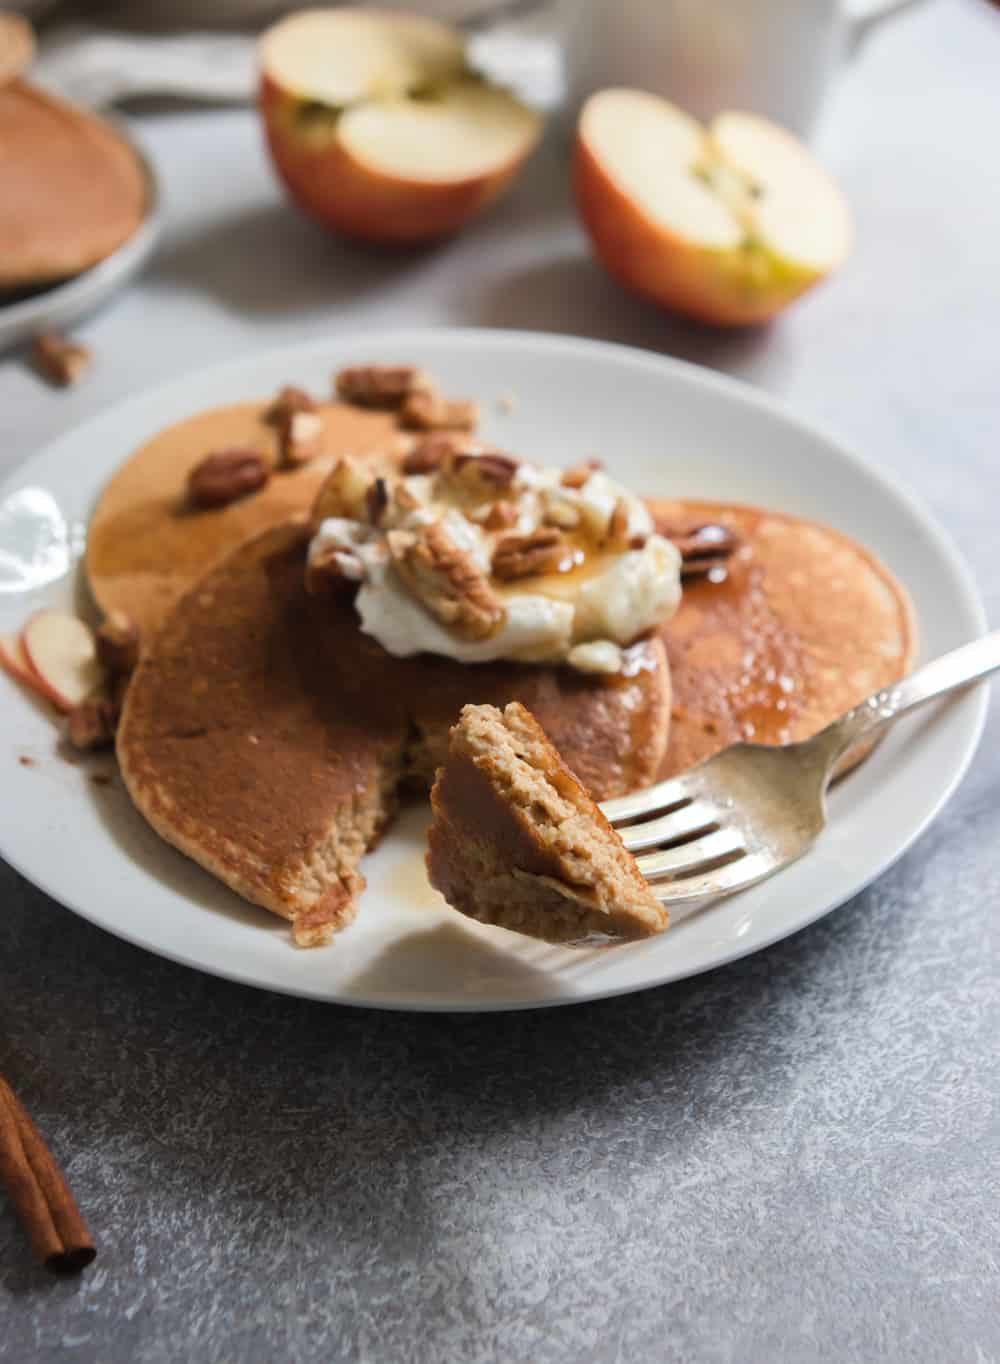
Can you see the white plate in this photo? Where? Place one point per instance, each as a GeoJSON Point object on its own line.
{"type": "Point", "coordinates": [61, 305]}
{"type": "Point", "coordinates": [663, 427]}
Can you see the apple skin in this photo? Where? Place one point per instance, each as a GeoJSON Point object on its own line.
{"type": "Point", "coordinates": [358, 201]}
{"type": "Point", "coordinates": [722, 287]}
{"type": "Point", "coordinates": [16, 662]}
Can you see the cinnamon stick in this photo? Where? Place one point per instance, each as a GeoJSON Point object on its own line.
{"type": "Point", "coordinates": [38, 1192]}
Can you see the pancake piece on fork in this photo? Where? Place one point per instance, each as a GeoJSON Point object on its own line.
{"type": "Point", "coordinates": [517, 841]}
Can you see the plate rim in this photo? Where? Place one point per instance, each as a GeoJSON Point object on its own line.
{"type": "Point", "coordinates": [702, 376]}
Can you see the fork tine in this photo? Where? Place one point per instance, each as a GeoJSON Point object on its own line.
{"type": "Point", "coordinates": [685, 822]}
{"type": "Point", "coordinates": [722, 881]}
{"type": "Point", "coordinates": [666, 795]}
{"type": "Point", "coordinates": [690, 856]}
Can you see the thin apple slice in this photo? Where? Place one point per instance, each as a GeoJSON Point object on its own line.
{"type": "Point", "coordinates": [62, 653]}
{"type": "Point", "coordinates": [16, 662]}
{"type": "Point", "coordinates": [337, 57]}
{"type": "Point", "coordinates": [466, 131]}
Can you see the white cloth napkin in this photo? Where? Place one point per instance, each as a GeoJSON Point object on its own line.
{"type": "Point", "coordinates": [97, 67]}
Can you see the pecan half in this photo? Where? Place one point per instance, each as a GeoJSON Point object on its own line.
{"type": "Point", "coordinates": [223, 477]}
{"type": "Point", "coordinates": [704, 548]}
{"type": "Point", "coordinates": [380, 385]}
{"type": "Point", "coordinates": [342, 493]}
{"type": "Point", "coordinates": [523, 556]}
{"type": "Point", "coordinates": [427, 411]}
{"type": "Point", "coordinates": [446, 580]}
{"type": "Point", "coordinates": [61, 361]}
{"type": "Point", "coordinates": [117, 640]}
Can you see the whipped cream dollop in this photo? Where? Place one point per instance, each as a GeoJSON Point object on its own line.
{"type": "Point", "coordinates": [483, 558]}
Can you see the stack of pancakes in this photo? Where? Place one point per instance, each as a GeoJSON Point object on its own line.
{"type": "Point", "coordinates": [268, 738]}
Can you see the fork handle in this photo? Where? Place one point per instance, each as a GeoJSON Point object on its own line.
{"type": "Point", "coordinates": [956, 669]}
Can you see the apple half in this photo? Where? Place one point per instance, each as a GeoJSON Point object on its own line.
{"type": "Point", "coordinates": [379, 129]}
{"type": "Point", "coordinates": [727, 224]}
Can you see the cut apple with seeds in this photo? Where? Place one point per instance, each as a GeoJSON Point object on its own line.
{"type": "Point", "coordinates": [62, 653]}
{"type": "Point", "coordinates": [379, 129]}
{"type": "Point", "coordinates": [15, 661]}
{"type": "Point", "coordinates": [727, 224]}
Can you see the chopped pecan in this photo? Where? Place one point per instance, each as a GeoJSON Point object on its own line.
{"type": "Point", "coordinates": [343, 493]}
{"type": "Point", "coordinates": [377, 501]}
{"type": "Point", "coordinates": [403, 500]}
{"type": "Point", "coordinates": [334, 568]}
{"type": "Point", "coordinates": [524, 556]}
{"type": "Point", "coordinates": [446, 580]}
{"type": "Point", "coordinates": [578, 474]}
{"type": "Point", "coordinates": [490, 470]}
{"type": "Point", "coordinates": [617, 534]}
{"type": "Point", "coordinates": [288, 400]}
{"type": "Point", "coordinates": [427, 411]}
{"type": "Point", "coordinates": [62, 361]}
{"type": "Point", "coordinates": [92, 724]}
{"type": "Point", "coordinates": [300, 435]}
{"type": "Point", "coordinates": [223, 477]}
{"type": "Point", "coordinates": [380, 385]}
{"type": "Point", "coordinates": [118, 644]}
{"type": "Point", "coordinates": [704, 548]}
{"type": "Point", "coordinates": [496, 516]}
{"type": "Point", "coordinates": [557, 511]}
{"type": "Point", "coordinates": [433, 452]}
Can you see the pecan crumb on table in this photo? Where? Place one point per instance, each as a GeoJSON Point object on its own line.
{"type": "Point", "coordinates": [60, 360]}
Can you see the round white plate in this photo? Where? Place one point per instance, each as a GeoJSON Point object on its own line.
{"type": "Point", "coordinates": [61, 305]}
{"type": "Point", "coordinates": [663, 427]}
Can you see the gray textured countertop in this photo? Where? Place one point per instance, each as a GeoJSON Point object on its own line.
{"type": "Point", "coordinates": [792, 1159]}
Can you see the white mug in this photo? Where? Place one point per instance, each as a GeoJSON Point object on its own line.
{"type": "Point", "coordinates": [772, 57]}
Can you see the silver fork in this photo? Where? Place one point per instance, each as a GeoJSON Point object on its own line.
{"type": "Point", "coordinates": [750, 810]}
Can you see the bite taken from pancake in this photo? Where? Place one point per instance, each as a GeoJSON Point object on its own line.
{"type": "Point", "coordinates": [266, 736]}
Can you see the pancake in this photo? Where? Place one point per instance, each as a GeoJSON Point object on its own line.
{"type": "Point", "coordinates": [73, 190]}
{"type": "Point", "coordinates": [518, 842]}
{"type": "Point", "coordinates": [265, 736]}
{"type": "Point", "coordinates": [145, 547]}
{"type": "Point", "coordinates": [805, 624]}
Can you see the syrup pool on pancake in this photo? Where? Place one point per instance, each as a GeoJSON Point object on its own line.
{"type": "Point", "coordinates": [477, 556]}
